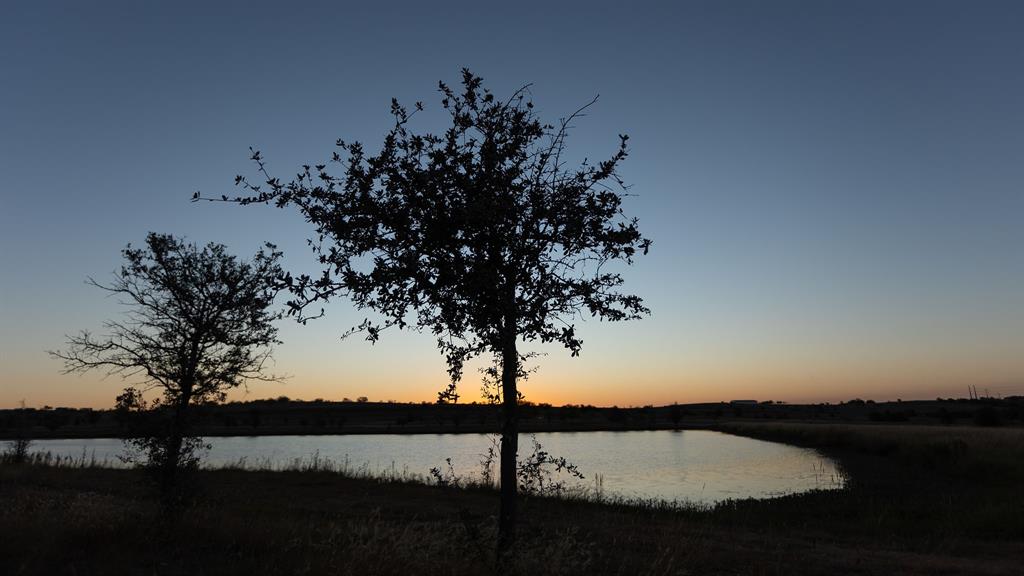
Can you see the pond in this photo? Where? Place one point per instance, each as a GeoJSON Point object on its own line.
{"type": "Point", "coordinates": [697, 466]}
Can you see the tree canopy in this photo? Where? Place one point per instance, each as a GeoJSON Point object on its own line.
{"type": "Point", "coordinates": [198, 321]}
{"type": "Point", "coordinates": [471, 234]}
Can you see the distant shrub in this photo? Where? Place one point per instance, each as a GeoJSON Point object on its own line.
{"type": "Point", "coordinates": [946, 417]}
{"type": "Point", "coordinates": [616, 414]}
{"type": "Point", "coordinates": [987, 416]}
{"type": "Point", "coordinates": [889, 416]}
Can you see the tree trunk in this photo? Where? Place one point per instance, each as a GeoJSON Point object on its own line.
{"type": "Point", "coordinates": [509, 441]}
{"type": "Point", "coordinates": [172, 455]}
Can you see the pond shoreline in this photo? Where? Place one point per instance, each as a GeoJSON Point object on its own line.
{"type": "Point", "coordinates": [920, 502]}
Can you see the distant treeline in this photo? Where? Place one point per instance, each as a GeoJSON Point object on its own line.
{"type": "Point", "coordinates": [286, 416]}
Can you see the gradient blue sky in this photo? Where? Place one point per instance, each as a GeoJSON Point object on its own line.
{"type": "Point", "coordinates": [834, 188]}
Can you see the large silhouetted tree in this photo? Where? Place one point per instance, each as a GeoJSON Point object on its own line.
{"type": "Point", "coordinates": [198, 322]}
{"type": "Point", "coordinates": [480, 234]}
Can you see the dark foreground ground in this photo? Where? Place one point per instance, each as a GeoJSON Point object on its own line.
{"type": "Point", "coordinates": [921, 500]}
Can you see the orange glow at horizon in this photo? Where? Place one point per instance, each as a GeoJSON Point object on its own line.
{"type": "Point", "coordinates": [96, 392]}
{"type": "Point", "coordinates": [630, 364]}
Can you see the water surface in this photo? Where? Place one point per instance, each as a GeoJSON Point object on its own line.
{"type": "Point", "coordinates": [698, 466]}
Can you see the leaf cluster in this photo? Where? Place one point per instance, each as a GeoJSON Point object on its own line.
{"type": "Point", "coordinates": [542, 473]}
{"type": "Point", "coordinates": [478, 234]}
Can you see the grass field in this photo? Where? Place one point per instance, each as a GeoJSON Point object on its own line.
{"type": "Point", "coordinates": [920, 500]}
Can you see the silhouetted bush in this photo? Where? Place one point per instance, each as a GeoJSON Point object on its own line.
{"type": "Point", "coordinates": [946, 417]}
{"type": "Point", "coordinates": [616, 414]}
{"type": "Point", "coordinates": [17, 451]}
{"type": "Point", "coordinates": [987, 416]}
{"type": "Point", "coordinates": [889, 416]}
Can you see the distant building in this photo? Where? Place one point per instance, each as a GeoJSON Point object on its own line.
{"type": "Point", "coordinates": [743, 402]}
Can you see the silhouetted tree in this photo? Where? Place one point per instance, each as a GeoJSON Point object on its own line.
{"type": "Point", "coordinates": [17, 451]}
{"type": "Point", "coordinates": [480, 234]}
{"type": "Point", "coordinates": [198, 323]}
{"type": "Point", "coordinates": [675, 414]}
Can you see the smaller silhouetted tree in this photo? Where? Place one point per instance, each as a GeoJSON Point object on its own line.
{"type": "Point", "coordinates": [198, 323]}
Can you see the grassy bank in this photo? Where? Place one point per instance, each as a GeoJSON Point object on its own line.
{"type": "Point", "coordinates": [920, 487]}
{"type": "Point", "coordinates": [920, 501]}
{"type": "Point", "coordinates": [981, 454]}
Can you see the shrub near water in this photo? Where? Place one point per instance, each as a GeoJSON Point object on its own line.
{"type": "Point", "coordinates": [16, 452]}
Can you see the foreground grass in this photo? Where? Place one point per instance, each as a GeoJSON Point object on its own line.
{"type": "Point", "coordinates": [913, 507]}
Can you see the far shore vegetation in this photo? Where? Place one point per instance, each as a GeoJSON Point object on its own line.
{"type": "Point", "coordinates": [283, 416]}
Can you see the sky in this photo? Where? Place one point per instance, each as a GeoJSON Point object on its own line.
{"type": "Point", "coordinates": [834, 189]}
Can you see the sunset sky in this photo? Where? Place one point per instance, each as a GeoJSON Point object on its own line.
{"type": "Point", "coordinates": [835, 190]}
